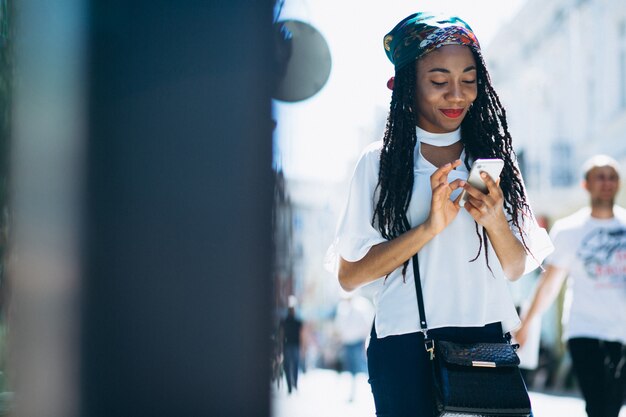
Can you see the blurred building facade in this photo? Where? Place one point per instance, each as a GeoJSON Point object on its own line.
{"type": "Point", "coordinates": [307, 222]}
{"type": "Point", "coordinates": [559, 67]}
{"type": "Point", "coordinates": [283, 244]}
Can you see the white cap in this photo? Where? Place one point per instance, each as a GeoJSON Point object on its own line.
{"type": "Point", "coordinates": [598, 161]}
{"type": "Point", "coordinates": [292, 301]}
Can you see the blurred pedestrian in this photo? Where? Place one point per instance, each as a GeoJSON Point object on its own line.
{"type": "Point", "coordinates": [405, 200]}
{"type": "Point", "coordinates": [353, 324]}
{"type": "Point", "coordinates": [590, 249]}
{"type": "Point", "coordinates": [291, 336]}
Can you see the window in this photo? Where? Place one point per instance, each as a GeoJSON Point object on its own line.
{"type": "Point", "coordinates": [561, 174]}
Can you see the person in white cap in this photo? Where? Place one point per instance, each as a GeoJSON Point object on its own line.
{"type": "Point", "coordinates": [590, 249]}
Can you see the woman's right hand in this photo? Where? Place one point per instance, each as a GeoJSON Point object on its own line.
{"type": "Point", "coordinates": [442, 209]}
{"type": "Point", "coordinates": [385, 257]}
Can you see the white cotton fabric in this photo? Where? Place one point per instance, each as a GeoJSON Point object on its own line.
{"type": "Point", "coordinates": [456, 292]}
{"type": "Point", "coordinates": [438, 139]}
{"type": "Point", "coordinates": [594, 252]}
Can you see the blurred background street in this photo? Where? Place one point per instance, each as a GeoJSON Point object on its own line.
{"type": "Point", "coordinates": [326, 393]}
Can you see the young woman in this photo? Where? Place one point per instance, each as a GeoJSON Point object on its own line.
{"type": "Point", "coordinates": [404, 199]}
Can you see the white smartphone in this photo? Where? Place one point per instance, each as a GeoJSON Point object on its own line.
{"type": "Point", "coordinates": [493, 167]}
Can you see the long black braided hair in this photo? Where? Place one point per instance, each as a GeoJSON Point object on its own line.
{"type": "Point", "coordinates": [484, 134]}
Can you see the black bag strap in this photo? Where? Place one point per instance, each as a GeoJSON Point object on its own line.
{"type": "Point", "coordinates": [428, 343]}
{"type": "Point", "coordinates": [418, 293]}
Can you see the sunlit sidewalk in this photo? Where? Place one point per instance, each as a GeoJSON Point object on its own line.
{"type": "Point", "coordinates": [326, 393]}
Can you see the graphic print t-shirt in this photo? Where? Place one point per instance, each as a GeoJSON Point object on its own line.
{"type": "Point", "coordinates": [594, 252]}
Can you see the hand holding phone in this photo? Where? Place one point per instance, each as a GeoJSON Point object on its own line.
{"type": "Point", "coordinates": [493, 167]}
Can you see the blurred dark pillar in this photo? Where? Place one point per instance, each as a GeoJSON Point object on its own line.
{"type": "Point", "coordinates": [141, 202]}
{"type": "Point", "coordinates": [176, 301]}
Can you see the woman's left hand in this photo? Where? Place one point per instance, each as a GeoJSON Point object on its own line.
{"type": "Point", "coordinates": [486, 209]}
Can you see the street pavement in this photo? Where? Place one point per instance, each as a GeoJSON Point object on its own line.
{"type": "Point", "coordinates": [327, 393]}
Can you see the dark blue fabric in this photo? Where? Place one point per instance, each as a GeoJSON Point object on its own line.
{"type": "Point", "coordinates": [400, 371]}
{"type": "Point", "coordinates": [601, 374]}
{"type": "Point", "coordinates": [292, 358]}
{"type": "Point", "coordinates": [354, 357]}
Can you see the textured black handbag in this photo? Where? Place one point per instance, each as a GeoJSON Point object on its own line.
{"type": "Point", "coordinates": [473, 379]}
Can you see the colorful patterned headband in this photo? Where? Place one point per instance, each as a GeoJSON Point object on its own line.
{"type": "Point", "coordinates": [421, 33]}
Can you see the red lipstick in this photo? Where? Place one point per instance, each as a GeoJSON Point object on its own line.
{"type": "Point", "coordinates": [452, 113]}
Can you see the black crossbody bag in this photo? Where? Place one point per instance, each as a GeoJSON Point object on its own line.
{"type": "Point", "coordinates": [473, 379]}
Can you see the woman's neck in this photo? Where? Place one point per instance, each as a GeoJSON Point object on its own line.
{"type": "Point", "coordinates": [441, 155]}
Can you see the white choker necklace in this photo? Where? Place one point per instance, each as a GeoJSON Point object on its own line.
{"type": "Point", "coordinates": [438, 139]}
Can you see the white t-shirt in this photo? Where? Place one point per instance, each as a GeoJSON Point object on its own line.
{"type": "Point", "coordinates": [456, 292]}
{"type": "Point", "coordinates": [594, 253]}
